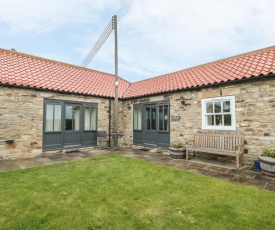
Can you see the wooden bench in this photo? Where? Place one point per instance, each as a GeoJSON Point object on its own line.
{"type": "Point", "coordinates": [228, 145]}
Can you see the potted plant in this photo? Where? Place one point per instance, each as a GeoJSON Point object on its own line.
{"type": "Point", "coordinates": [177, 150]}
{"type": "Point", "coordinates": [267, 162]}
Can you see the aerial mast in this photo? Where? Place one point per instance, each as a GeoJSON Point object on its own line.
{"type": "Point", "coordinates": [114, 25]}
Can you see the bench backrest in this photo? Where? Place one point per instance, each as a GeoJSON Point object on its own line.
{"type": "Point", "coordinates": [218, 141]}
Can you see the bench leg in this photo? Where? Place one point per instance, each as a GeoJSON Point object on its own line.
{"type": "Point", "coordinates": [237, 160]}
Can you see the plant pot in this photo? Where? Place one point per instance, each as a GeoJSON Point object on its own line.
{"type": "Point", "coordinates": [177, 153]}
{"type": "Point", "coordinates": [257, 165]}
{"type": "Point", "coordinates": [267, 166]}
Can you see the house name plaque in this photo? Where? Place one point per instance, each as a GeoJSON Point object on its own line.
{"type": "Point", "coordinates": [176, 118]}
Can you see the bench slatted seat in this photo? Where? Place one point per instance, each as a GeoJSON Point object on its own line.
{"type": "Point", "coordinates": [228, 145]}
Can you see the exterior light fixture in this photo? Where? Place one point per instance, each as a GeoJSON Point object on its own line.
{"type": "Point", "coordinates": [182, 101]}
{"type": "Point", "coordinates": [9, 142]}
{"type": "Point", "coordinates": [128, 106]}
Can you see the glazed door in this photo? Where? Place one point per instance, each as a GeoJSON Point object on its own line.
{"type": "Point", "coordinates": [69, 124]}
{"type": "Point", "coordinates": [72, 126]}
{"type": "Point", "coordinates": [150, 125]}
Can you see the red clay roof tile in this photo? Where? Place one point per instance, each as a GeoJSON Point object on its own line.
{"type": "Point", "coordinates": [26, 70]}
{"type": "Point", "coordinates": [253, 64]}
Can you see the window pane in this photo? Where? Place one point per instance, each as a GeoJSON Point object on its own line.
{"type": "Point", "coordinates": [93, 118]}
{"type": "Point", "coordinates": [166, 118]}
{"type": "Point", "coordinates": [227, 120]}
{"type": "Point", "coordinates": [135, 118]}
{"type": "Point", "coordinates": [210, 119]}
{"type": "Point", "coordinates": [139, 120]}
{"type": "Point", "coordinates": [226, 106]}
{"type": "Point", "coordinates": [72, 117]}
{"type": "Point", "coordinates": [161, 118]}
{"type": "Point", "coordinates": [57, 118]}
{"type": "Point", "coordinates": [69, 118]}
{"type": "Point", "coordinates": [49, 118]}
{"type": "Point", "coordinates": [147, 117]}
{"type": "Point", "coordinates": [218, 119]}
{"type": "Point", "coordinates": [76, 116]}
{"type": "Point", "coordinates": [87, 118]}
{"type": "Point", "coordinates": [217, 106]}
{"type": "Point", "coordinates": [209, 107]}
{"type": "Point", "coordinates": [153, 111]}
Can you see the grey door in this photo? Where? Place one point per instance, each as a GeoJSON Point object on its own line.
{"type": "Point", "coordinates": [72, 128]}
{"type": "Point", "coordinates": [151, 124]}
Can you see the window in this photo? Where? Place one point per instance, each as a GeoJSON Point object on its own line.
{"type": "Point", "coordinates": [219, 113]}
{"type": "Point", "coordinates": [150, 118]}
{"type": "Point", "coordinates": [137, 118]}
{"type": "Point", "coordinates": [90, 118]}
{"type": "Point", "coordinates": [153, 118]}
{"type": "Point", "coordinates": [72, 120]}
{"type": "Point", "coordinates": [163, 118]}
{"type": "Point", "coordinates": [53, 118]}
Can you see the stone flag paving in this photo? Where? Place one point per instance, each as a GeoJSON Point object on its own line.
{"type": "Point", "coordinates": [246, 175]}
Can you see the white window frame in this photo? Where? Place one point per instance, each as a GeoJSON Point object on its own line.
{"type": "Point", "coordinates": [232, 112]}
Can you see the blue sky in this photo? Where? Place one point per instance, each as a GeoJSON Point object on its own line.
{"type": "Point", "coordinates": [155, 36]}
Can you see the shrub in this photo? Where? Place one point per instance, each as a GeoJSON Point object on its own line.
{"type": "Point", "coordinates": [177, 145]}
{"type": "Point", "coordinates": [269, 152]}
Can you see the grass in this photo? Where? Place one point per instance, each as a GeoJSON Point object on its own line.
{"type": "Point", "coordinates": [116, 192]}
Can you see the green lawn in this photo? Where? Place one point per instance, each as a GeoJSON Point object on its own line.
{"type": "Point", "coordinates": [116, 192]}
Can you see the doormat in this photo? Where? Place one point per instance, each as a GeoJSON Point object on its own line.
{"type": "Point", "coordinates": [144, 149]}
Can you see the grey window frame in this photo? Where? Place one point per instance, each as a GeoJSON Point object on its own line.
{"type": "Point", "coordinates": [96, 118]}
{"type": "Point", "coordinates": [45, 112]}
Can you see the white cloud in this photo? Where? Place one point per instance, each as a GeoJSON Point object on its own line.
{"type": "Point", "coordinates": [177, 34]}
{"type": "Point", "coordinates": [155, 36]}
{"type": "Point", "coordinates": [47, 15]}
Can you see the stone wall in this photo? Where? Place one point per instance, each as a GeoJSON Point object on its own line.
{"type": "Point", "coordinates": [21, 119]}
{"type": "Point", "coordinates": [255, 113]}
{"type": "Point", "coordinates": [21, 115]}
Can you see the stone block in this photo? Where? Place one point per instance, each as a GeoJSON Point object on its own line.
{"type": "Point", "coordinates": [36, 152]}
{"type": "Point", "coordinates": [46, 95]}
{"type": "Point", "coordinates": [231, 91]}
{"type": "Point", "coordinates": [211, 93]}
{"type": "Point", "coordinates": [264, 126]}
{"type": "Point", "coordinates": [244, 124]}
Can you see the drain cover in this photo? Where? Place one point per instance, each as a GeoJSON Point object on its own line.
{"type": "Point", "coordinates": [144, 149]}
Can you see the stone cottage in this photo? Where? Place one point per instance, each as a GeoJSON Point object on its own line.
{"type": "Point", "coordinates": [48, 105]}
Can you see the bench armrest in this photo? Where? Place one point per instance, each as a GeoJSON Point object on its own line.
{"type": "Point", "coordinates": [239, 147]}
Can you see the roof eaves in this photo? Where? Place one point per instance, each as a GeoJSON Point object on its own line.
{"type": "Point", "coordinates": [271, 74]}
{"type": "Point", "coordinates": [52, 90]}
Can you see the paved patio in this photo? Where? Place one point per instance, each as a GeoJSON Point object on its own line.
{"type": "Point", "coordinates": [218, 169]}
